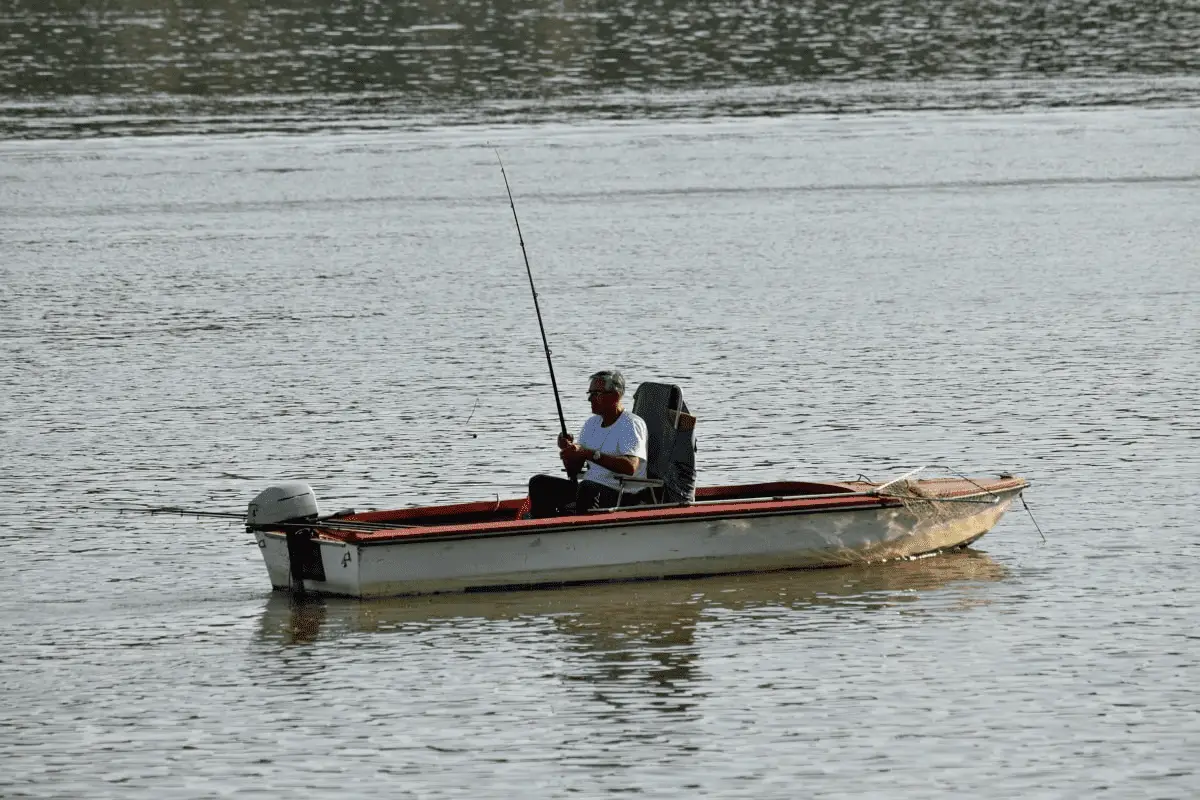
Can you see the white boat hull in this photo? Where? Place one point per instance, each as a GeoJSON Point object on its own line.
{"type": "Point", "coordinates": [613, 550]}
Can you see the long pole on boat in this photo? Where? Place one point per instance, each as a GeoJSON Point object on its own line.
{"type": "Point", "coordinates": [545, 344]}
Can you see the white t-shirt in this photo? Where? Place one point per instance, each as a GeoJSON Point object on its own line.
{"type": "Point", "coordinates": [627, 436]}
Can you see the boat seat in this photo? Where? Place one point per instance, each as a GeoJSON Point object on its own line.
{"type": "Point", "coordinates": [671, 449]}
{"type": "Point", "coordinates": [634, 485]}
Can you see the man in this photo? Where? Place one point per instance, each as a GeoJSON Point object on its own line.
{"type": "Point", "coordinates": [612, 442]}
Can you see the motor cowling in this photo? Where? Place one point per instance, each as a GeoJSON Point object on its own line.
{"type": "Point", "coordinates": [285, 502]}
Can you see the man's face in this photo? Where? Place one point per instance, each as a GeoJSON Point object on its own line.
{"type": "Point", "coordinates": [602, 399]}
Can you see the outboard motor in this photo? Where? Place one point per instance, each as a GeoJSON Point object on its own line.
{"type": "Point", "coordinates": [293, 505]}
{"type": "Point", "coordinates": [287, 502]}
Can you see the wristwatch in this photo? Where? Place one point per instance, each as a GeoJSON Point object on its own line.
{"type": "Point", "coordinates": [595, 456]}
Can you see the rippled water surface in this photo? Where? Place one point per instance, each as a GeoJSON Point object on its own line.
{"type": "Point", "coordinates": [70, 68]}
{"type": "Point", "coordinates": [862, 237]}
{"type": "Point", "coordinates": [186, 319]}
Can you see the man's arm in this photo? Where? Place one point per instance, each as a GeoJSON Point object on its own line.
{"type": "Point", "coordinates": [632, 443]}
{"type": "Point", "coordinates": [622, 465]}
{"type": "Point", "coordinates": [577, 454]}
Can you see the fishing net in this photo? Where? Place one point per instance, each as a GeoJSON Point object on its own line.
{"type": "Point", "coordinates": [921, 500]}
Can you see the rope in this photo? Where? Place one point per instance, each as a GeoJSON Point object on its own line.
{"type": "Point", "coordinates": [1034, 521]}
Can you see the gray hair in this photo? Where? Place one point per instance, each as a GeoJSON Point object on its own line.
{"type": "Point", "coordinates": [613, 380]}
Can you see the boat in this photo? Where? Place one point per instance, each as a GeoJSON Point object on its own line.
{"type": "Point", "coordinates": [682, 532]}
{"type": "Point", "coordinates": [745, 528]}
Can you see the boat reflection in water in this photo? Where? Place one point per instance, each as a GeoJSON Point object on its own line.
{"type": "Point", "coordinates": [660, 610]}
{"type": "Point", "coordinates": [631, 648]}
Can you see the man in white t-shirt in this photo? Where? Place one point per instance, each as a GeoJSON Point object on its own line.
{"type": "Point", "coordinates": [612, 442]}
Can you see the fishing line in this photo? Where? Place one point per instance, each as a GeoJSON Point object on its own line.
{"type": "Point", "coordinates": [1031, 519]}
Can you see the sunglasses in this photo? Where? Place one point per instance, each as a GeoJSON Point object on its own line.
{"type": "Point", "coordinates": [592, 393]}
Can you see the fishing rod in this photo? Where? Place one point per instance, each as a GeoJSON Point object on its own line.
{"type": "Point", "coordinates": [325, 523]}
{"type": "Point", "coordinates": [545, 344]}
{"type": "Point", "coordinates": [176, 510]}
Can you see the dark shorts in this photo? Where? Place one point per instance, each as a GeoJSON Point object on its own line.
{"type": "Point", "coordinates": [550, 496]}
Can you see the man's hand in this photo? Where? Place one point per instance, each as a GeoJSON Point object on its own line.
{"type": "Point", "coordinates": [573, 456]}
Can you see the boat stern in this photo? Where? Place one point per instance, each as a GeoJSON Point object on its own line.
{"type": "Point", "coordinates": [302, 562]}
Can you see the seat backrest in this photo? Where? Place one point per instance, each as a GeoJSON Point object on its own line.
{"type": "Point", "coordinates": [672, 434]}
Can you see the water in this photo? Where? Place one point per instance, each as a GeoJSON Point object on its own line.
{"type": "Point", "coordinates": [82, 69]}
{"type": "Point", "coordinates": [988, 267]}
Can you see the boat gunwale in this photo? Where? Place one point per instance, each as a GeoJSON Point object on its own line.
{"type": "Point", "coordinates": [708, 510]}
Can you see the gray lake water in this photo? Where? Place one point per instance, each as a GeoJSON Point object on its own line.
{"type": "Point", "coordinates": [850, 269]}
